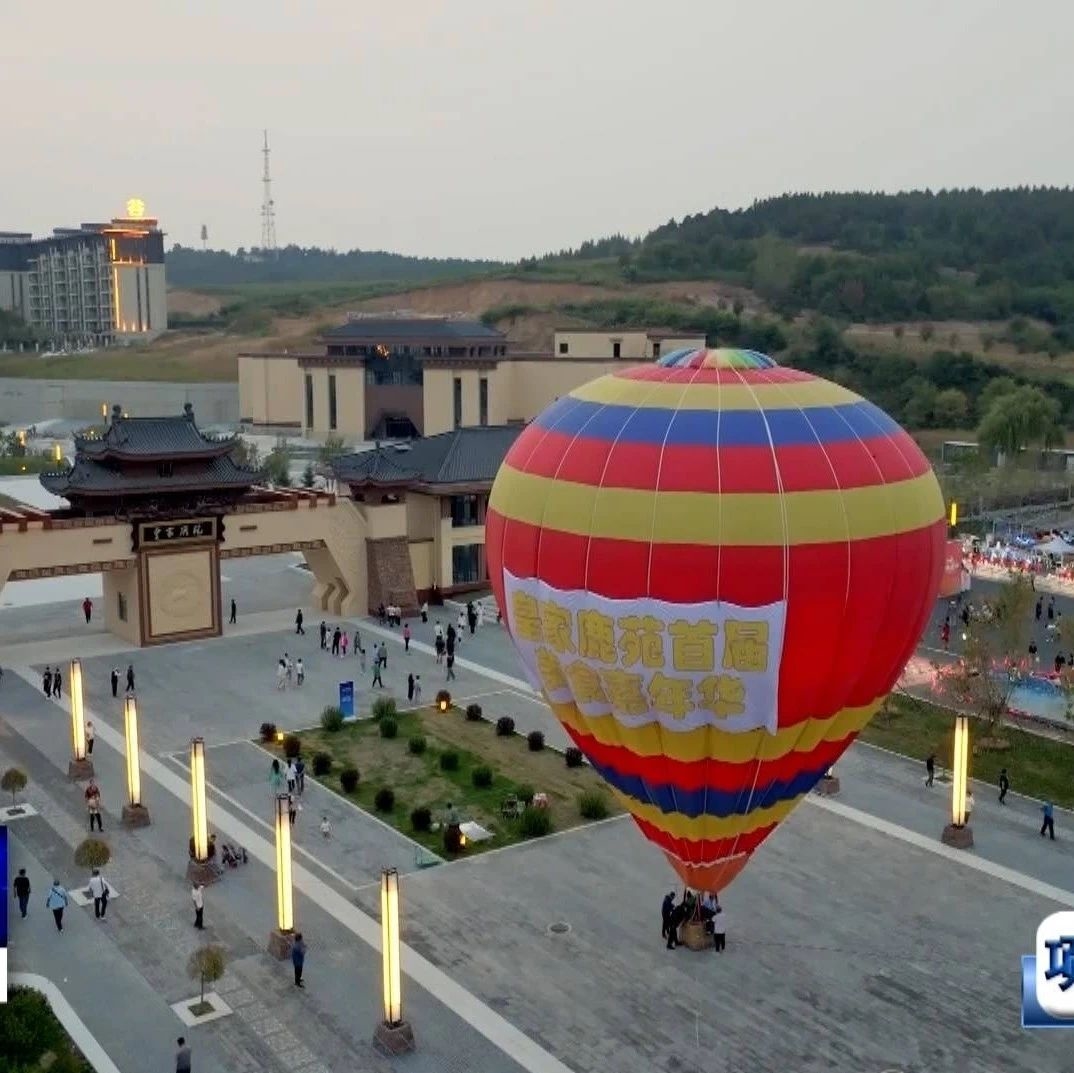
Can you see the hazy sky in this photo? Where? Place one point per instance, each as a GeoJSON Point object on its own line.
{"type": "Point", "coordinates": [502, 128]}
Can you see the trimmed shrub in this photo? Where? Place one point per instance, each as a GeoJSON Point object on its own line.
{"type": "Point", "coordinates": [449, 761]}
{"type": "Point", "coordinates": [331, 719]}
{"type": "Point", "coordinates": [443, 697]}
{"type": "Point", "coordinates": [384, 799]}
{"type": "Point", "coordinates": [417, 745]}
{"type": "Point", "coordinates": [348, 779]}
{"type": "Point", "coordinates": [535, 822]}
{"type": "Point", "coordinates": [593, 805]}
{"type": "Point", "coordinates": [322, 763]}
{"type": "Point", "coordinates": [384, 708]}
{"type": "Point", "coordinates": [421, 819]}
{"type": "Point", "coordinates": [481, 777]}
{"type": "Point", "coordinates": [92, 853]}
{"type": "Point", "coordinates": [525, 793]}
{"type": "Point", "coordinates": [535, 740]}
{"type": "Point", "coordinates": [389, 728]}
{"type": "Point", "coordinates": [267, 732]}
{"type": "Point", "coordinates": [291, 746]}
{"type": "Point", "coordinates": [505, 726]}
{"type": "Point", "coordinates": [473, 713]}
{"type": "Point", "coordinates": [574, 757]}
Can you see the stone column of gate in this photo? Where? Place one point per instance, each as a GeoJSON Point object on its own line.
{"type": "Point", "coordinates": [341, 584]}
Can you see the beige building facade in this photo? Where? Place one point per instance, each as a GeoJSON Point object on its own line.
{"type": "Point", "coordinates": [408, 384]}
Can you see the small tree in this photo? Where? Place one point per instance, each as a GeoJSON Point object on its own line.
{"type": "Point", "coordinates": [996, 643]}
{"type": "Point", "coordinates": [332, 447]}
{"type": "Point", "coordinates": [13, 782]}
{"type": "Point", "coordinates": [206, 964]}
{"type": "Point", "coordinates": [92, 853]}
{"type": "Point", "coordinates": [308, 476]}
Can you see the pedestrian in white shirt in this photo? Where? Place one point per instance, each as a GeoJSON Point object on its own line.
{"type": "Point", "coordinates": [89, 737]}
{"type": "Point", "coordinates": [99, 891]}
{"type": "Point", "coordinates": [292, 777]}
{"type": "Point", "coordinates": [197, 896]}
{"type": "Point", "coordinates": [719, 929]}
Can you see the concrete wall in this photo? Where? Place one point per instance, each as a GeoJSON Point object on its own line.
{"type": "Point", "coordinates": [271, 391]}
{"type": "Point", "coordinates": [537, 384]}
{"type": "Point", "coordinates": [634, 345]}
{"type": "Point", "coordinates": [439, 402]}
{"type": "Point", "coordinates": [26, 401]}
{"type": "Point", "coordinates": [350, 401]}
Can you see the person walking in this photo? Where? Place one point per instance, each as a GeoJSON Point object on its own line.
{"type": "Point", "coordinates": [719, 929]}
{"type": "Point", "coordinates": [324, 634]}
{"type": "Point", "coordinates": [930, 769]}
{"type": "Point", "coordinates": [1048, 826]}
{"type": "Point", "coordinates": [281, 674]}
{"type": "Point", "coordinates": [969, 805]}
{"type": "Point", "coordinates": [292, 777]}
{"type": "Point", "coordinates": [1004, 785]}
{"type": "Point", "coordinates": [93, 805]}
{"type": "Point", "coordinates": [300, 774]}
{"type": "Point", "coordinates": [115, 681]}
{"type": "Point", "coordinates": [667, 907]}
{"type": "Point", "coordinates": [410, 687]}
{"type": "Point", "coordinates": [197, 896]}
{"type": "Point", "coordinates": [326, 827]}
{"type": "Point", "coordinates": [234, 612]}
{"type": "Point", "coordinates": [57, 901]}
{"type": "Point", "coordinates": [46, 682]}
{"type": "Point", "coordinates": [343, 642]}
{"type": "Point", "coordinates": [337, 635]}
{"type": "Point", "coordinates": [406, 637]}
{"type": "Point", "coordinates": [298, 622]}
{"type": "Point", "coordinates": [90, 735]}
{"type": "Point", "coordinates": [182, 1056]}
{"type": "Point", "coordinates": [99, 891]}
{"type": "Point", "coordinates": [382, 655]}
{"type": "Point", "coordinates": [21, 887]}
{"type": "Point", "coordinates": [276, 777]}
{"type": "Point", "coordinates": [87, 609]}
{"type": "Point", "coordinates": [377, 680]}
{"type": "Point", "coordinates": [57, 683]}
{"type": "Point", "coordinates": [292, 809]}
{"type": "Point", "coordinates": [298, 958]}
{"type": "Point", "coordinates": [417, 690]}
{"type": "Point", "coordinates": [300, 671]}
{"type": "Point", "coordinates": [425, 611]}
{"type": "Point", "coordinates": [450, 667]}
{"type": "Point", "coordinates": [130, 677]}
{"type": "Point", "coordinates": [289, 667]}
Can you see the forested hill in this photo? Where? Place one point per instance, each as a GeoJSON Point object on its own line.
{"type": "Point", "coordinates": [295, 264]}
{"type": "Point", "coordinates": [968, 254]}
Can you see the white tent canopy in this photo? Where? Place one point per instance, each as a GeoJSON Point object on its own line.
{"type": "Point", "coordinates": [1056, 546]}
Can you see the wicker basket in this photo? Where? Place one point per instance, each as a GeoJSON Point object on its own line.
{"type": "Point", "coordinates": [695, 936]}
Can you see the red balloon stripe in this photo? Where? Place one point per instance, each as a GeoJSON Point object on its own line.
{"type": "Point", "coordinates": [686, 468]}
{"type": "Point", "coordinates": [839, 650]}
{"type": "Point", "coordinates": [704, 850]}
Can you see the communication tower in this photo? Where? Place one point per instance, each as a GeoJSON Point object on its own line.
{"type": "Point", "coordinates": [268, 206]}
{"type": "Point", "coordinates": [204, 236]}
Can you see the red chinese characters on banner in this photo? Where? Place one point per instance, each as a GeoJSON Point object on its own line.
{"type": "Point", "coordinates": [955, 578]}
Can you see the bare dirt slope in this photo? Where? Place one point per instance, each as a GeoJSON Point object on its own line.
{"type": "Point", "coordinates": [193, 303]}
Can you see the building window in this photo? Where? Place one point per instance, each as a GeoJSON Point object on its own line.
{"type": "Point", "coordinates": [332, 402]}
{"type": "Point", "coordinates": [483, 401]}
{"type": "Point", "coordinates": [563, 348]}
{"type": "Point", "coordinates": [463, 511]}
{"type": "Point", "coordinates": [656, 350]}
{"type": "Point", "coordinates": [617, 350]}
{"type": "Point", "coordinates": [309, 401]}
{"type": "Point", "coordinates": [165, 469]}
{"type": "Point", "coordinates": [458, 401]}
{"type": "Point", "coordinates": [465, 564]}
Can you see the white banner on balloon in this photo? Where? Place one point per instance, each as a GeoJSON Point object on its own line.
{"type": "Point", "coordinates": [647, 661]}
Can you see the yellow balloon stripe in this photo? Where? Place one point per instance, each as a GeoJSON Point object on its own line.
{"type": "Point", "coordinates": [708, 742]}
{"type": "Point", "coordinates": [708, 827]}
{"type": "Point", "coordinates": [702, 518]}
{"type": "Point", "coordinates": [688, 394]}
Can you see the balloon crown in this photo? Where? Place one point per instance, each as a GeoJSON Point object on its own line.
{"type": "Point", "coordinates": [717, 358]}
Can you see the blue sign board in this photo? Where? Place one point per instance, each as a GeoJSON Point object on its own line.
{"type": "Point", "coordinates": [346, 699]}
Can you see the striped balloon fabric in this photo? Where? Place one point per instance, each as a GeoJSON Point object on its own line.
{"type": "Point", "coordinates": [715, 569]}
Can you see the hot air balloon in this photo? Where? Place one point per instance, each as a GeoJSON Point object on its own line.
{"type": "Point", "coordinates": [714, 568]}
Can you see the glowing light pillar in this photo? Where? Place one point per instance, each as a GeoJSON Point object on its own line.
{"type": "Point", "coordinates": [958, 832]}
{"type": "Point", "coordinates": [393, 1034]}
{"type": "Point", "coordinates": [201, 868]}
{"type": "Point", "coordinates": [80, 767]}
{"type": "Point", "coordinates": [135, 814]}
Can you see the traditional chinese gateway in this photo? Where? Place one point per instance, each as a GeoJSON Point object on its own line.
{"type": "Point", "coordinates": [154, 505]}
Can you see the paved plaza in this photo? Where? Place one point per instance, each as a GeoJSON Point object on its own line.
{"type": "Point", "coordinates": [855, 940]}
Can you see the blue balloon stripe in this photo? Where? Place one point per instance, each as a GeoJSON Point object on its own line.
{"type": "Point", "coordinates": [710, 428]}
{"type": "Point", "coordinates": [710, 802]}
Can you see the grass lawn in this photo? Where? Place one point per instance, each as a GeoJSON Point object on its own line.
{"type": "Point", "coordinates": [418, 780]}
{"type": "Point", "coordinates": [33, 1038]}
{"type": "Point", "coordinates": [1038, 767]}
{"type": "Point", "coordinates": [14, 466]}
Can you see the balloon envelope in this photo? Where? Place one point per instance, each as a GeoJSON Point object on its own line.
{"type": "Point", "coordinates": [715, 569]}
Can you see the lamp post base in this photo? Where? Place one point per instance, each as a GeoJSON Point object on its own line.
{"type": "Point", "coordinates": [201, 872]}
{"type": "Point", "coordinates": [957, 837]}
{"type": "Point", "coordinates": [828, 786]}
{"type": "Point", "coordinates": [394, 1039]}
{"type": "Point", "coordinates": [135, 816]}
{"type": "Point", "coordinates": [80, 770]}
{"type": "Point", "coordinates": [279, 944]}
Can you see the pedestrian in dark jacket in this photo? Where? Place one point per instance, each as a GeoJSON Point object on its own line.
{"type": "Point", "coordinates": [298, 958]}
{"type": "Point", "coordinates": [21, 887]}
{"type": "Point", "coordinates": [666, 910]}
